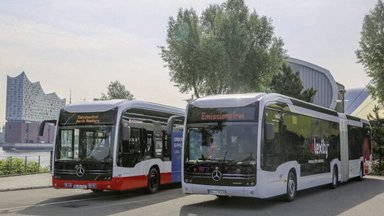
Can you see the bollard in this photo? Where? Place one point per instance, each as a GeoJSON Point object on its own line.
{"type": "Point", "coordinates": [10, 166]}
{"type": "Point", "coordinates": [50, 160]}
{"type": "Point", "coordinates": [38, 168]}
{"type": "Point", "coordinates": [25, 164]}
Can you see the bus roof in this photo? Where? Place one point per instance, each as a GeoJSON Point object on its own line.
{"type": "Point", "coordinates": [240, 100]}
{"type": "Point", "coordinates": [102, 106]}
{"type": "Point", "coordinates": [229, 100]}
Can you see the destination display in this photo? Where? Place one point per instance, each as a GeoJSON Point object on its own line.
{"type": "Point", "coordinates": [94, 118]}
{"type": "Point", "coordinates": [196, 114]}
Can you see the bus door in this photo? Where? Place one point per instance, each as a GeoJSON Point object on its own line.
{"type": "Point", "coordinates": [344, 148]}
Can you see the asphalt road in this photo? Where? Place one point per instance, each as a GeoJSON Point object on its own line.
{"type": "Point", "coordinates": [352, 198]}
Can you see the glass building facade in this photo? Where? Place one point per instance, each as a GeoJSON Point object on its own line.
{"type": "Point", "coordinates": [27, 105]}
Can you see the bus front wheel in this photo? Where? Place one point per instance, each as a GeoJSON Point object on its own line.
{"type": "Point", "coordinates": [291, 186]}
{"type": "Point", "coordinates": [153, 180]}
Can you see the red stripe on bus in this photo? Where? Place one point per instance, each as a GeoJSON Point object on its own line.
{"type": "Point", "coordinates": [115, 184]}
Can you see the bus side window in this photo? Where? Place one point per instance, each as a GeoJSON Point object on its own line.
{"type": "Point", "coordinates": [147, 143]}
{"type": "Point", "coordinates": [272, 148]}
{"type": "Point", "coordinates": [129, 151]}
{"type": "Point", "coordinates": [166, 148]}
{"type": "Point", "coordinates": [158, 144]}
{"type": "Point", "coordinates": [269, 131]}
{"type": "Point", "coordinates": [267, 144]}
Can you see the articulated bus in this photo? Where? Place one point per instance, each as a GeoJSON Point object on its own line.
{"type": "Point", "coordinates": [117, 145]}
{"type": "Point", "coordinates": [265, 145]}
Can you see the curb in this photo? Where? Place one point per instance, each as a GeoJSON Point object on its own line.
{"type": "Point", "coordinates": [24, 188]}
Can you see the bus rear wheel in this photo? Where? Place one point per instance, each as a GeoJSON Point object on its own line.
{"type": "Point", "coordinates": [361, 172]}
{"type": "Point", "coordinates": [335, 178]}
{"type": "Point", "coordinates": [153, 184]}
{"type": "Point", "coordinates": [291, 187]}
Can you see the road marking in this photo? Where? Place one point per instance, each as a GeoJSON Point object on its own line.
{"type": "Point", "coordinates": [58, 203]}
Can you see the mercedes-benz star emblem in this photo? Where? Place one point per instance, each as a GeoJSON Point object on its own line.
{"type": "Point", "coordinates": [80, 171]}
{"type": "Point", "coordinates": [217, 175]}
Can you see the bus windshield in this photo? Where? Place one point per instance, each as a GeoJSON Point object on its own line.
{"type": "Point", "coordinates": [85, 136]}
{"type": "Point", "coordinates": [85, 143]}
{"type": "Point", "coordinates": [221, 142]}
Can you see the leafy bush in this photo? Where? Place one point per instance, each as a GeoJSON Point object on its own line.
{"type": "Point", "coordinates": [377, 168]}
{"type": "Point", "coordinates": [17, 166]}
{"type": "Point", "coordinates": [377, 125]}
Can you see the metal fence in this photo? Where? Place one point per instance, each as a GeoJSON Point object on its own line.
{"type": "Point", "coordinates": [25, 164]}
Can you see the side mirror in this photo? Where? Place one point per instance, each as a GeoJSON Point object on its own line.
{"type": "Point", "coordinates": [269, 131]}
{"type": "Point", "coordinates": [42, 126]}
{"type": "Point", "coordinates": [171, 122]}
{"type": "Point", "coordinates": [126, 132]}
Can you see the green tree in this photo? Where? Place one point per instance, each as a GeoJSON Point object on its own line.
{"type": "Point", "coordinates": [371, 52]}
{"type": "Point", "coordinates": [289, 83]}
{"type": "Point", "coordinates": [116, 90]}
{"type": "Point", "coordinates": [377, 126]}
{"type": "Point", "coordinates": [226, 50]}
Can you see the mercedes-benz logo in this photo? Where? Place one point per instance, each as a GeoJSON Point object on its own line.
{"type": "Point", "coordinates": [217, 175]}
{"type": "Point", "coordinates": [80, 171]}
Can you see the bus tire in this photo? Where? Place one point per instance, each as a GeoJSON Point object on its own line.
{"type": "Point", "coordinates": [97, 191]}
{"type": "Point", "coordinates": [153, 183]}
{"type": "Point", "coordinates": [222, 198]}
{"type": "Point", "coordinates": [335, 178]}
{"type": "Point", "coordinates": [291, 186]}
{"type": "Point", "coordinates": [361, 173]}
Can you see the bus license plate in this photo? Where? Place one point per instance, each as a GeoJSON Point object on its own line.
{"type": "Point", "coordinates": [217, 192]}
{"type": "Point", "coordinates": [80, 186]}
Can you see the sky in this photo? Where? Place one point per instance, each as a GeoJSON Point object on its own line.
{"type": "Point", "coordinates": [77, 47]}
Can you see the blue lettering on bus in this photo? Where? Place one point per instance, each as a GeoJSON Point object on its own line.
{"type": "Point", "coordinates": [177, 142]}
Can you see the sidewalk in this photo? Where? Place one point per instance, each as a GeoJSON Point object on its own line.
{"type": "Point", "coordinates": [24, 182]}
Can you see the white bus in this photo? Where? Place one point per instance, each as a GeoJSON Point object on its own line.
{"type": "Point", "coordinates": [117, 145]}
{"type": "Point", "coordinates": [266, 145]}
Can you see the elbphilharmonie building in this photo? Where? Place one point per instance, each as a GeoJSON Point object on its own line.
{"type": "Point", "coordinates": [27, 105]}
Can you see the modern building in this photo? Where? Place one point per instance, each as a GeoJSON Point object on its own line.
{"type": "Point", "coordinates": [329, 93]}
{"type": "Point", "coordinates": [359, 103]}
{"type": "Point", "coordinates": [27, 105]}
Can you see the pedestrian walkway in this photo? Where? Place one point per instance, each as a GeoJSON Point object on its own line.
{"type": "Point", "coordinates": [23, 182]}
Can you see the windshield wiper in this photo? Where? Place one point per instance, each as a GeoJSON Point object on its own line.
{"type": "Point", "coordinates": [89, 158]}
{"type": "Point", "coordinates": [250, 158]}
{"type": "Point", "coordinates": [225, 155]}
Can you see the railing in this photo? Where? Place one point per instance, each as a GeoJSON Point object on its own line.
{"type": "Point", "coordinates": [21, 165]}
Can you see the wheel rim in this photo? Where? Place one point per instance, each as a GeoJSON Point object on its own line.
{"type": "Point", "coordinates": [291, 187]}
{"type": "Point", "coordinates": [334, 178]}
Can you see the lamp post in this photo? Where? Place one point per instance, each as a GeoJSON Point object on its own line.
{"type": "Point", "coordinates": [342, 93]}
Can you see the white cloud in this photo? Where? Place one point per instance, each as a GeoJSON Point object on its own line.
{"type": "Point", "coordinates": [35, 35]}
{"type": "Point", "coordinates": [42, 36]}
